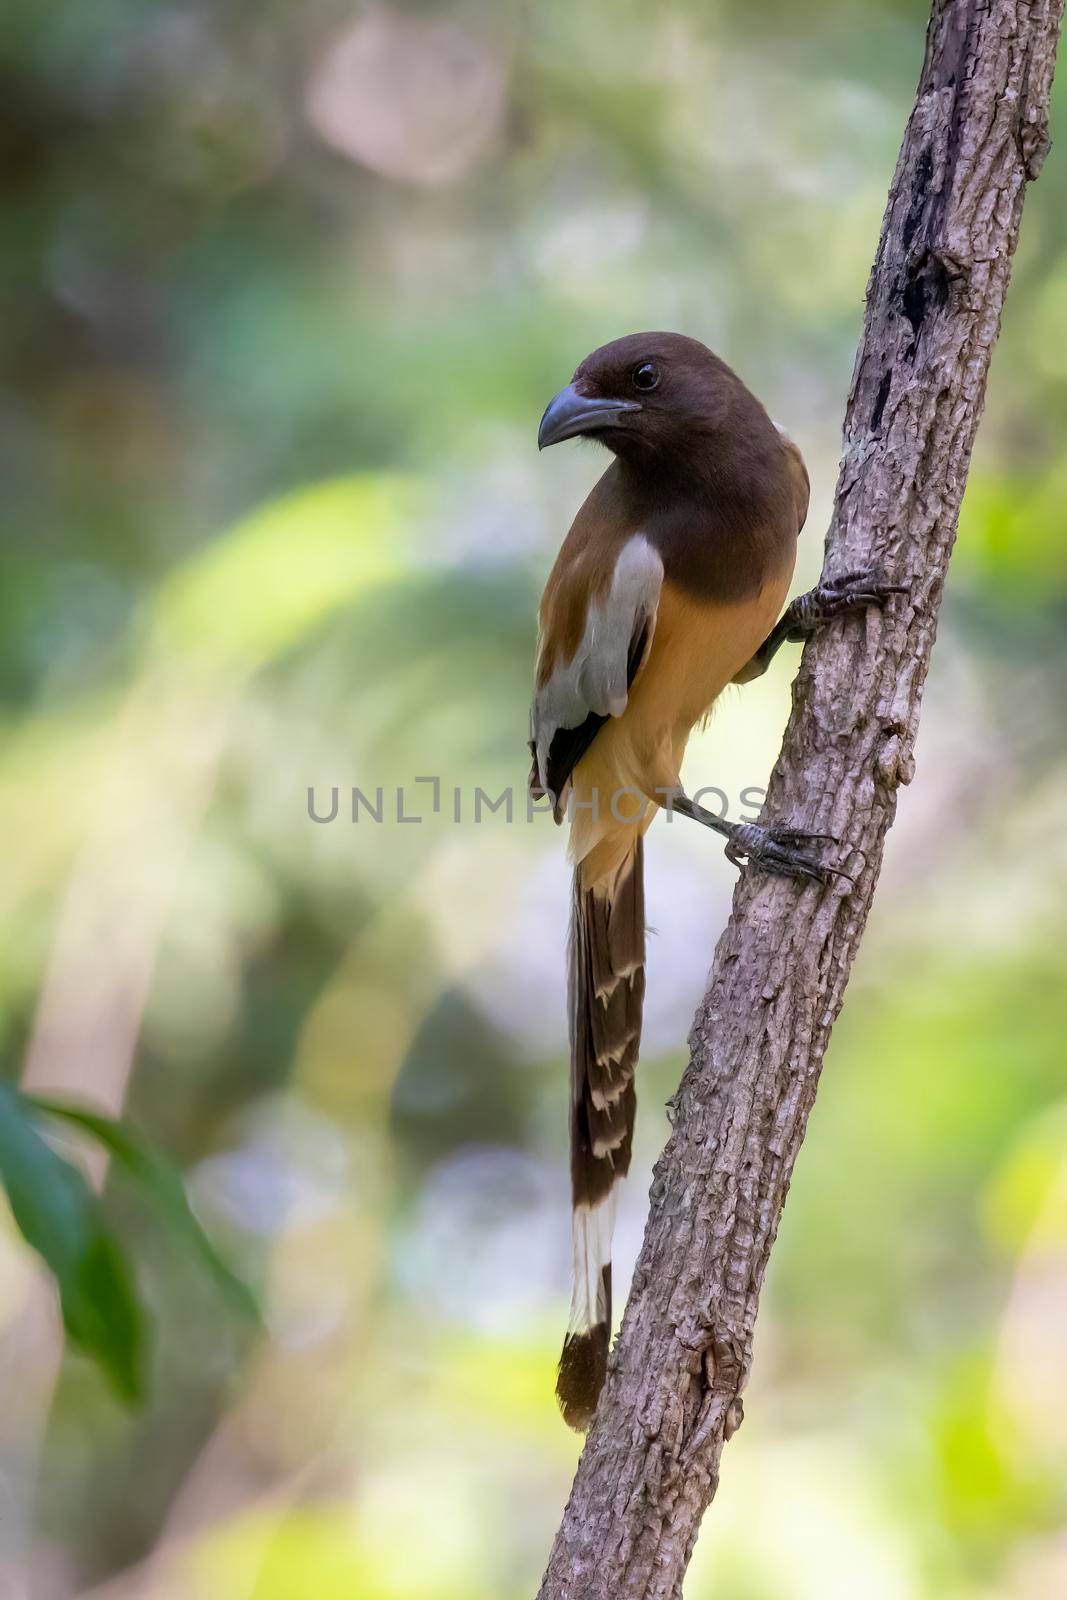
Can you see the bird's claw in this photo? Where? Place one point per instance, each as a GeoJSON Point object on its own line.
{"type": "Point", "coordinates": [783, 852]}
{"type": "Point", "coordinates": [852, 591]}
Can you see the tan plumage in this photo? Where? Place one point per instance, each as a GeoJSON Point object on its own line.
{"type": "Point", "coordinates": [698, 647]}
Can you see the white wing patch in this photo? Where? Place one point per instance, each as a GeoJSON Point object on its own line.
{"type": "Point", "coordinates": [595, 680]}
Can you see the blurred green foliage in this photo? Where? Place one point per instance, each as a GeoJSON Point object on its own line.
{"type": "Point", "coordinates": [58, 1214]}
{"type": "Point", "coordinates": [293, 286]}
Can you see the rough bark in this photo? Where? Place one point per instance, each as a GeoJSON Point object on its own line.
{"type": "Point", "coordinates": [977, 133]}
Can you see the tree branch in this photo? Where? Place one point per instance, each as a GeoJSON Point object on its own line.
{"type": "Point", "coordinates": [977, 133]}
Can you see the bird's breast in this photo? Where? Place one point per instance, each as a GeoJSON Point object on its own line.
{"type": "Point", "coordinates": [700, 646]}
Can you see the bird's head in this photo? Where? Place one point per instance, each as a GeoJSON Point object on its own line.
{"type": "Point", "coordinates": [649, 393]}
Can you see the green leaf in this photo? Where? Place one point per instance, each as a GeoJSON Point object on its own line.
{"type": "Point", "coordinates": [104, 1315]}
{"type": "Point", "coordinates": [58, 1214]}
{"type": "Point", "coordinates": [162, 1183]}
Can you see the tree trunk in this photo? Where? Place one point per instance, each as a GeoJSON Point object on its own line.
{"type": "Point", "coordinates": [978, 132]}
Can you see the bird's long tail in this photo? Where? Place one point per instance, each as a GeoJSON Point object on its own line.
{"type": "Point", "coordinates": [607, 987]}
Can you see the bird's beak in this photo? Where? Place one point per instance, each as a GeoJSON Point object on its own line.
{"type": "Point", "coordinates": [571, 413]}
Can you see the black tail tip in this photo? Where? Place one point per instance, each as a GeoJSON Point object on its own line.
{"type": "Point", "coordinates": [583, 1366]}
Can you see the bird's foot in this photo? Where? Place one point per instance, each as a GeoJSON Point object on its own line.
{"type": "Point", "coordinates": [836, 597]}
{"type": "Point", "coordinates": [783, 852]}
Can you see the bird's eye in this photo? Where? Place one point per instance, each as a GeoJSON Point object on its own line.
{"type": "Point", "coordinates": [646, 376]}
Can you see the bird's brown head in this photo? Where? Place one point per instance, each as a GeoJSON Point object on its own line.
{"type": "Point", "coordinates": [646, 394]}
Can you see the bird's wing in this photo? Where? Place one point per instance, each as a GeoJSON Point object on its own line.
{"type": "Point", "coordinates": [597, 620]}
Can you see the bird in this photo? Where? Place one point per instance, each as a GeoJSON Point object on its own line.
{"type": "Point", "coordinates": [669, 586]}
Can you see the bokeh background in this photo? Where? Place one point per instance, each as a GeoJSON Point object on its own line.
{"type": "Point", "coordinates": [286, 290]}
